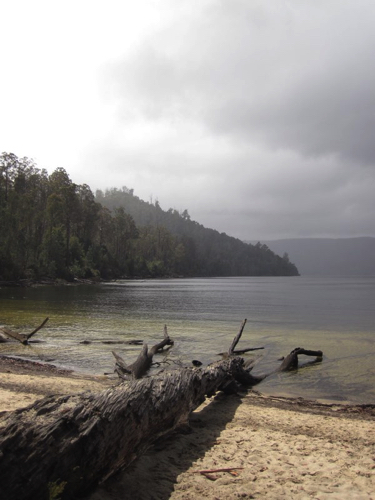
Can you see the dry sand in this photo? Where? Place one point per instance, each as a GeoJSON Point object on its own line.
{"type": "Point", "coordinates": [23, 382]}
{"type": "Point", "coordinates": [276, 447]}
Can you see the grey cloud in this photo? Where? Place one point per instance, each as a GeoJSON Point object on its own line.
{"type": "Point", "coordinates": [315, 116]}
{"type": "Point", "coordinates": [268, 110]}
{"type": "Point", "coordinates": [300, 79]}
{"type": "Point", "coordinates": [151, 78]}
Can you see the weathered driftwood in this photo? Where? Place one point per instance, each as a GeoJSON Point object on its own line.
{"type": "Point", "coordinates": [144, 361]}
{"type": "Point", "coordinates": [236, 338]}
{"type": "Point", "coordinates": [22, 337]}
{"type": "Point", "coordinates": [68, 444]}
{"type": "Point", "coordinates": [290, 362]}
{"type": "Point", "coordinates": [72, 442]}
{"type": "Point", "coordinates": [238, 352]}
{"type": "Point", "coordinates": [234, 352]}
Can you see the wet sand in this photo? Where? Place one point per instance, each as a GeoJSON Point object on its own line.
{"type": "Point", "coordinates": [272, 447]}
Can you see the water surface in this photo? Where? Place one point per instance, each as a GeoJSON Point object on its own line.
{"type": "Point", "coordinates": [333, 314]}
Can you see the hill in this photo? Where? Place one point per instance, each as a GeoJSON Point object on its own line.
{"type": "Point", "coordinates": [53, 228]}
{"type": "Point", "coordinates": [329, 257]}
{"type": "Point", "coordinates": [206, 251]}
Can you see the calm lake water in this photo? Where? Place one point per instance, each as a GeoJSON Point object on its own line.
{"type": "Point", "coordinates": [336, 315]}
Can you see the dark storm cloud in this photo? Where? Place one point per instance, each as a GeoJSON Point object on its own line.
{"type": "Point", "coordinates": [282, 96]}
{"type": "Point", "coordinates": [319, 114]}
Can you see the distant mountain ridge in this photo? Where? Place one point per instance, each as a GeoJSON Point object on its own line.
{"type": "Point", "coordinates": [328, 256]}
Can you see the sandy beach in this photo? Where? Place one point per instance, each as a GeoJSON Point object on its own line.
{"type": "Point", "coordinates": [252, 446]}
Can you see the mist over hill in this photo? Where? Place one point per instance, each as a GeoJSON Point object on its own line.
{"type": "Point", "coordinates": [329, 257]}
{"type": "Point", "coordinates": [206, 252]}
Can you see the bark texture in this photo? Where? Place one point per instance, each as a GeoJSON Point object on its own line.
{"type": "Point", "coordinates": [68, 444]}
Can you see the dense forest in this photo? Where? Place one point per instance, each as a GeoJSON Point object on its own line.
{"type": "Point", "coordinates": [53, 228]}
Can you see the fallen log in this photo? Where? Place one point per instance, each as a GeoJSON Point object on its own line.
{"type": "Point", "coordinates": [22, 337]}
{"type": "Point", "coordinates": [65, 445]}
{"type": "Point", "coordinates": [73, 442]}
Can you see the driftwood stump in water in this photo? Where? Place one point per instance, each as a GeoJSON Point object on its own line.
{"type": "Point", "coordinates": [290, 362]}
{"type": "Point", "coordinates": [144, 361]}
{"type": "Point", "coordinates": [21, 337]}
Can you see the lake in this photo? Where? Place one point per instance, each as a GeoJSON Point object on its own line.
{"type": "Point", "coordinates": [335, 315]}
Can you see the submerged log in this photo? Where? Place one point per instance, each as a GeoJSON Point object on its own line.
{"type": "Point", "coordinates": [74, 442]}
{"type": "Point", "coordinates": [238, 352]}
{"type": "Point", "coordinates": [111, 342]}
{"type": "Point", "coordinates": [22, 337]}
{"type": "Point", "coordinates": [290, 362]}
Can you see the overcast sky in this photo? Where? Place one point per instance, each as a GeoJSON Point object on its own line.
{"type": "Point", "coordinates": [257, 116]}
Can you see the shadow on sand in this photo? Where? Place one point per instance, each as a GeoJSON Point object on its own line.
{"type": "Point", "coordinates": [154, 475]}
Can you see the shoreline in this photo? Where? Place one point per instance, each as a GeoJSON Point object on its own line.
{"type": "Point", "coordinates": [30, 283]}
{"type": "Point", "coordinates": [271, 446]}
{"type": "Point", "coordinates": [25, 366]}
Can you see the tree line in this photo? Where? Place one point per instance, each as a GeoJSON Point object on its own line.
{"type": "Point", "coordinates": [53, 228]}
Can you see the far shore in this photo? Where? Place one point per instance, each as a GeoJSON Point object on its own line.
{"type": "Point", "coordinates": [269, 447]}
{"type": "Point", "coordinates": [27, 283]}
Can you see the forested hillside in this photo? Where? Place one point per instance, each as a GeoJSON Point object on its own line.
{"type": "Point", "coordinates": [206, 251]}
{"type": "Point", "coordinates": [51, 227]}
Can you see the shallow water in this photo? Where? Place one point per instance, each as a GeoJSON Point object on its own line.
{"type": "Point", "coordinates": [335, 315]}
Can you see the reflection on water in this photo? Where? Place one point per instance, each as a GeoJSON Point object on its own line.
{"type": "Point", "coordinates": [332, 314]}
